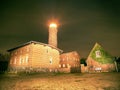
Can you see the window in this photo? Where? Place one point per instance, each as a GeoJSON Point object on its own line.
{"type": "Point", "coordinates": [63, 65]}
{"type": "Point", "coordinates": [60, 65]}
{"type": "Point", "coordinates": [26, 59]}
{"type": "Point", "coordinates": [98, 54]}
{"type": "Point", "coordinates": [68, 66]}
{"type": "Point", "coordinates": [51, 60]}
{"type": "Point", "coordinates": [15, 60]}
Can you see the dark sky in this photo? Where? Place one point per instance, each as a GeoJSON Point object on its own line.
{"type": "Point", "coordinates": [82, 23]}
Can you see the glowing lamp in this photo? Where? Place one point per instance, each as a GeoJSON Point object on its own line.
{"type": "Point", "coordinates": [53, 25]}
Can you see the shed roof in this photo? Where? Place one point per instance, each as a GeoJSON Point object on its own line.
{"type": "Point", "coordinates": [35, 42]}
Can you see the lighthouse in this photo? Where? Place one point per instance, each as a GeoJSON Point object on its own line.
{"type": "Point", "coordinates": [52, 40]}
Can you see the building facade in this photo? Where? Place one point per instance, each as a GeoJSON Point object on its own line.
{"type": "Point", "coordinates": [100, 61]}
{"type": "Point", "coordinates": [34, 56]}
{"type": "Point", "coordinates": [70, 62]}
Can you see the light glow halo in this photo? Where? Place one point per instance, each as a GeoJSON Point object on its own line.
{"type": "Point", "coordinates": [53, 25]}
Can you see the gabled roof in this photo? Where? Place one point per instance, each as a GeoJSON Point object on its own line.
{"type": "Point", "coordinates": [35, 42]}
{"type": "Point", "coordinates": [100, 55]}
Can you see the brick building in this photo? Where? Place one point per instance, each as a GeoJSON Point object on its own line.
{"type": "Point", "coordinates": [37, 56]}
{"type": "Point", "coordinates": [70, 62]}
{"type": "Point", "coordinates": [34, 56]}
{"type": "Point", "coordinates": [99, 60]}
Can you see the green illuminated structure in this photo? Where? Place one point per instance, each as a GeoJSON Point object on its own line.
{"type": "Point", "coordinates": [100, 60]}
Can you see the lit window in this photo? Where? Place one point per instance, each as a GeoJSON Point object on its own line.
{"type": "Point", "coordinates": [63, 65]}
{"type": "Point", "coordinates": [50, 70]}
{"type": "Point", "coordinates": [27, 59]}
{"type": "Point", "coordinates": [59, 65]}
{"type": "Point", "coordinates": [98, 54]}
{"type": "Point", "coordinates": [67, 64]}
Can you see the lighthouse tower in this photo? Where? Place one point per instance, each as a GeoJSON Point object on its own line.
{"type": "Point", "coordinates": [53, 34]}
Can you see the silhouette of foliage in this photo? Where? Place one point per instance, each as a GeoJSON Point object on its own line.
{"type": "Point", "coordinates": [83, 61]}
{"type": "Point", "coordinates": [4, 60]}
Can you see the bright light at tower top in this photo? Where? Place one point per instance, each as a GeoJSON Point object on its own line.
{"type": "Point", "coordinates": [53, 25]}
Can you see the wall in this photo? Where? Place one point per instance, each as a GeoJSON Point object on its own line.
{"type": "Point", "coordinates": [44, 57]}
{"type": "Point", "coordinates": [20, 58]}
{"type": "Point", "coordinates": [71, 61]}
{"type": "Point", "coordinates": [94, 66]}
{"type": "Point", "coordinates": [34, 57]}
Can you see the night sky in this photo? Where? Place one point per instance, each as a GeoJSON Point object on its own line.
{"type": "Point", "coordinates": [82, 23]}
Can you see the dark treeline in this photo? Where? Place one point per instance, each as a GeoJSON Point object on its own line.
{"type": "Point", "coordinates": [4, 60]}
{"type": "Point", "coordinates": [118, 63]}
{"type": "Point", "coordinates": [83, 61]}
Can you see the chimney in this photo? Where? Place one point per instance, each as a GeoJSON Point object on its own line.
{"type": "Point", "coordinates": [53, 34]}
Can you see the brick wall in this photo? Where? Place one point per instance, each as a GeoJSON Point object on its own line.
{"type": "Point", "coordinates": [45, 57]}
{"type": "Point", "coordinates": [94, 66]}
{"type": "Point", "coordinates": [70, 60]}
{"type": "Point", "coordinates": [34, 56]}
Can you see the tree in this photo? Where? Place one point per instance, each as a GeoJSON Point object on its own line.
{"type": "Point", "coordinates": [83, 61]}
{"type": "Point", "coordinates": [4, 59]}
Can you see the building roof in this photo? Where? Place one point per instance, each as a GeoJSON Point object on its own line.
{"type": "Point", "coordinates": [35, 42]}
{"type": "Point", "coordinates": [99, 54]}
{"type": "Point", "coordinates": [69, 52]}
